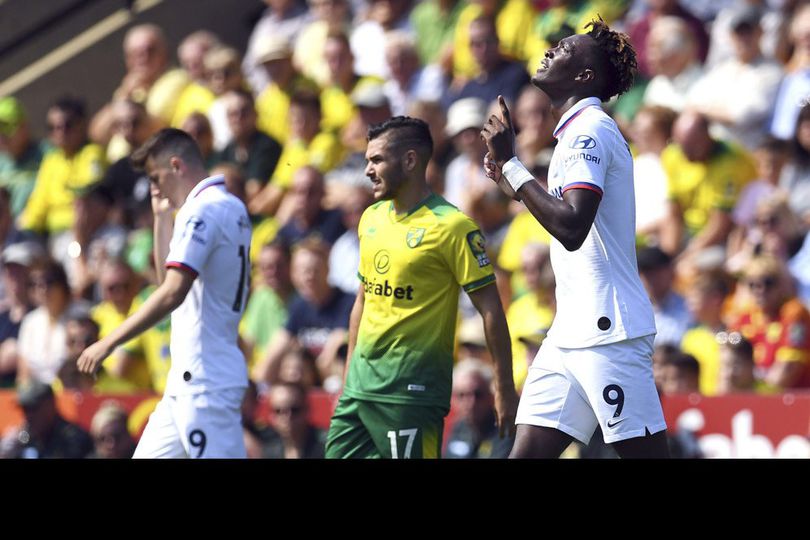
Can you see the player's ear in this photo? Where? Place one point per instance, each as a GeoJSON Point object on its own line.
{"type": "Point", "coordinates": [411, 160]}
{"type": "Point", "coordinates": [586, 75]}
{"type": "Point", "coordinates": [175, 163]}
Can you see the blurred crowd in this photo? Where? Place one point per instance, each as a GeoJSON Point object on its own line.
{"type": "Point", "coordinates": [719, 126]}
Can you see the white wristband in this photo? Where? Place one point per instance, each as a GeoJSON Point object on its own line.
{"type": "Point", "coordinates": [515, 173]}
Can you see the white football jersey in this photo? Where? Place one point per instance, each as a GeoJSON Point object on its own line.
{"type": "Point", "coordinates": [211, 238]}
{"type": "Point", "coordinates": [600, 297]}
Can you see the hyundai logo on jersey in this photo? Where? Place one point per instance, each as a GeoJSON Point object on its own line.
{"type": "Point", "coordinates": [582, 142]}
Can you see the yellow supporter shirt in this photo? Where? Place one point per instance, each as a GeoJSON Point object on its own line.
{"type": "Point", "coordinates": [701, 343]}
{"type": "Point", "coordinates": [195, 98]}
{"type": "Point", "coordinates": [523, 230]}
{"type": "Point", "coordinates": [137, 377]}
{"type": "Point", "coordinates": [153, 345]}
{"type": "Point", "coordinates": [337, 107]}
{"type": "Point", "coordinates": [527, 316]}
{"type": "Point", "coordinates": [163, 95]}
{"type": "Point", "coordinates": [50, 207]}
{"type": "Point", "coordinates": [273, 106]}
{"type": "Point", "coordinates": [323, 153]}
{"type": "Point", "coordinates": [701, 188]}
{"type": "Point", "coordinates": [513, 23]}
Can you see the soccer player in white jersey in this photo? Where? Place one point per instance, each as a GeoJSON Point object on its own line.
{"type": "Point", "coordinates": [204, 286]}
{"type": "Point", "coordinates": [595, 366]}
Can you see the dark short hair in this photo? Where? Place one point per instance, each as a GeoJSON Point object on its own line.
{"type": "Point", "coordinates": [306, 99]}
{"type": "Point", "coordinates": [164, 143]}
{"type": "Point", "coordinates": [53, 273]}
{"type": "Point", "coordinates": [405, 133]}
{"type": "Point", "coordinates": [685, 362]}
{"type": "Point", "coordinates": [73, 106]}
{"type": "Point", "coordinates": [621, 65]}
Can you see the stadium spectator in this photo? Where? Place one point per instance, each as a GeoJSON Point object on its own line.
{"type": "Point", "coordinates": [269, 301]}
{"type": "Point", "coordinates": [650, 133]}
{"type": "Point", "coordinates": [776, 323]}
{"type": "Point", "coordinates": [530, 315]}
{"type": "Point", "coordinates": [223, 74]}
{"type": "Point", "coordinates": [640, 29]}
{"type": "Point", "coordinates": [282, 18]}
{"type": "Point", "coordinates": [474, 433]}
{"type": "Point", "coordinates": [328, 16]}
{"type": "Point", "coordinates": [680, 375]}
{"type": "Point", "coordinates": [383, 17]}
{"type": "Point", "coordinates": [41, 342]}
{"type": "Point", "coordinates": [307, 145]}
{"type": "Point", "coordinates": [796, 85]}
{"type": "Point", "coordinates": [534, 126]}
{"type": "Point", "coordinates": [255, 152]}
{"type": "Point", "coordinates": [657, 272]}
{"type": "Point", "coordinates": [44, 434]}
{"type": "Point", "coordinates": [128, 187]}
{"type": "Point", "coordinates": [345, 253]}
{"type": "Point", "coordinates": [318, 317]}
{"type": "Point", "coordinates": [434, 23]}
{"type": "Point", "coordinates": [739, 116]}
{"type": "Point", "coordinates": [81, 331]}
{"type": "Point", "coordinates": [409, 82]}
{"type": "Point", "coordinates": [673, 61]}
{"type": "Point", "coordinates": [737, 366]}
{"type": "Point", "coordinates": [273, 103]}
{"type": "Point", "coordinates": [495, 74]}
{"type": "Point", "coordinates": [795, 177]}
{"type": "Point", "coordinates": [72, 165]}
{"type": "Point", "coordinates": [705, 177]}
{"type": "Point", "coordinates": [197, 96]}
{"type": "Point", "coordinates": [20, 153]}
{"type": "Point", "coordinates": [111, 437]}
{"type": "Point", "coordinates": [296, 437]}
{"type": "Point", "coordinates": [17, 260]}
{"type": "Point", "coordinates": [308, 217]}
{"type": "Point", "coordinates": [148, 80]}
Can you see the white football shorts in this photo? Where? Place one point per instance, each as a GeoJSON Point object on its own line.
{"type": "Point", "coordinates": [574, 390]}
{"type": "Point", "coordinates": [205, 425]}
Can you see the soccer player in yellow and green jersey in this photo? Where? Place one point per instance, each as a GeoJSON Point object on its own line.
{"type": "Point", "coordinates": [416, 252]}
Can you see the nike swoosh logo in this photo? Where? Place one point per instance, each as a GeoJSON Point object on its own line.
{"type": "Point", "coordinates": [611, 423]}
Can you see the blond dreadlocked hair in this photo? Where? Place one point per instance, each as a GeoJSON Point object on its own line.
{"type": "Point", "coordinates": [621, 57]}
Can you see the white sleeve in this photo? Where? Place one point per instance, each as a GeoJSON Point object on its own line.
{"type": "Point", "coordinates": [584, 158]}
{"type": "Point", "coordinates": [194, 236]}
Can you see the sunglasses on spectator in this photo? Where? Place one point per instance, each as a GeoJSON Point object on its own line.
{"type": "Point", "coordinates": [728, 338]}
{"type": "Point", "coordinates": [65, 126]}
{"type": "Point", "coordinates": [292, 411]}
{"type": "Point", "coordinates": [768, 221]}
{"type": "Point", "coordinates": [478, 394]}
{"type": "Point", "coordinates": [116, 287]}
{"type": "Point", "coordinates": [766, 283]}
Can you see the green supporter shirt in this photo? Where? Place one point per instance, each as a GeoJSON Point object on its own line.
{"type": "Point", "coordinates": [265, 313]}
{"type": "Point", "coordinates": [19, 176]}
{"type": "Point", "coordinates": [411, 267]}
{"type": "Point", "coordinates": [434, 29]}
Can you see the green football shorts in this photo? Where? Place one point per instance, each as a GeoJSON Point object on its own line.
{"type": "Point", "coordinates": [370, 429]}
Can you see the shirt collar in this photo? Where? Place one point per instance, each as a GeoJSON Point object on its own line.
{"type": "Point", "coordinates": [573, 112]}
{"type": "Point", "coordinates": [218, 180]}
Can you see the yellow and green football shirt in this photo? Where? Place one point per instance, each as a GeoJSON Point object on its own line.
{"type": "Point", "coordinates": [411, 268]}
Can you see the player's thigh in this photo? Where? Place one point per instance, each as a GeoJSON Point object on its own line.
{"type": "Point", "coordinates": [551, 399]}
{"type": "Point", "coordinates": [618, 381]}
{"type": "Point", "coordinates": [160, 438]}
{"type": "Point", "coordinates": [210, 424]}
{"type": "Point", "coordinates": [347, 436]}
{"type": "Point", "coordinates": [404, 431]}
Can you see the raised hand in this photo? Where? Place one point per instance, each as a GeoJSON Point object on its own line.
{"type": "Point", "coordinates": [499, 135]}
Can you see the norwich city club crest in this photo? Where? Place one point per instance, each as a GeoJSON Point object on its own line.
{"type": "Point", "coordinates": [414, 236]}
